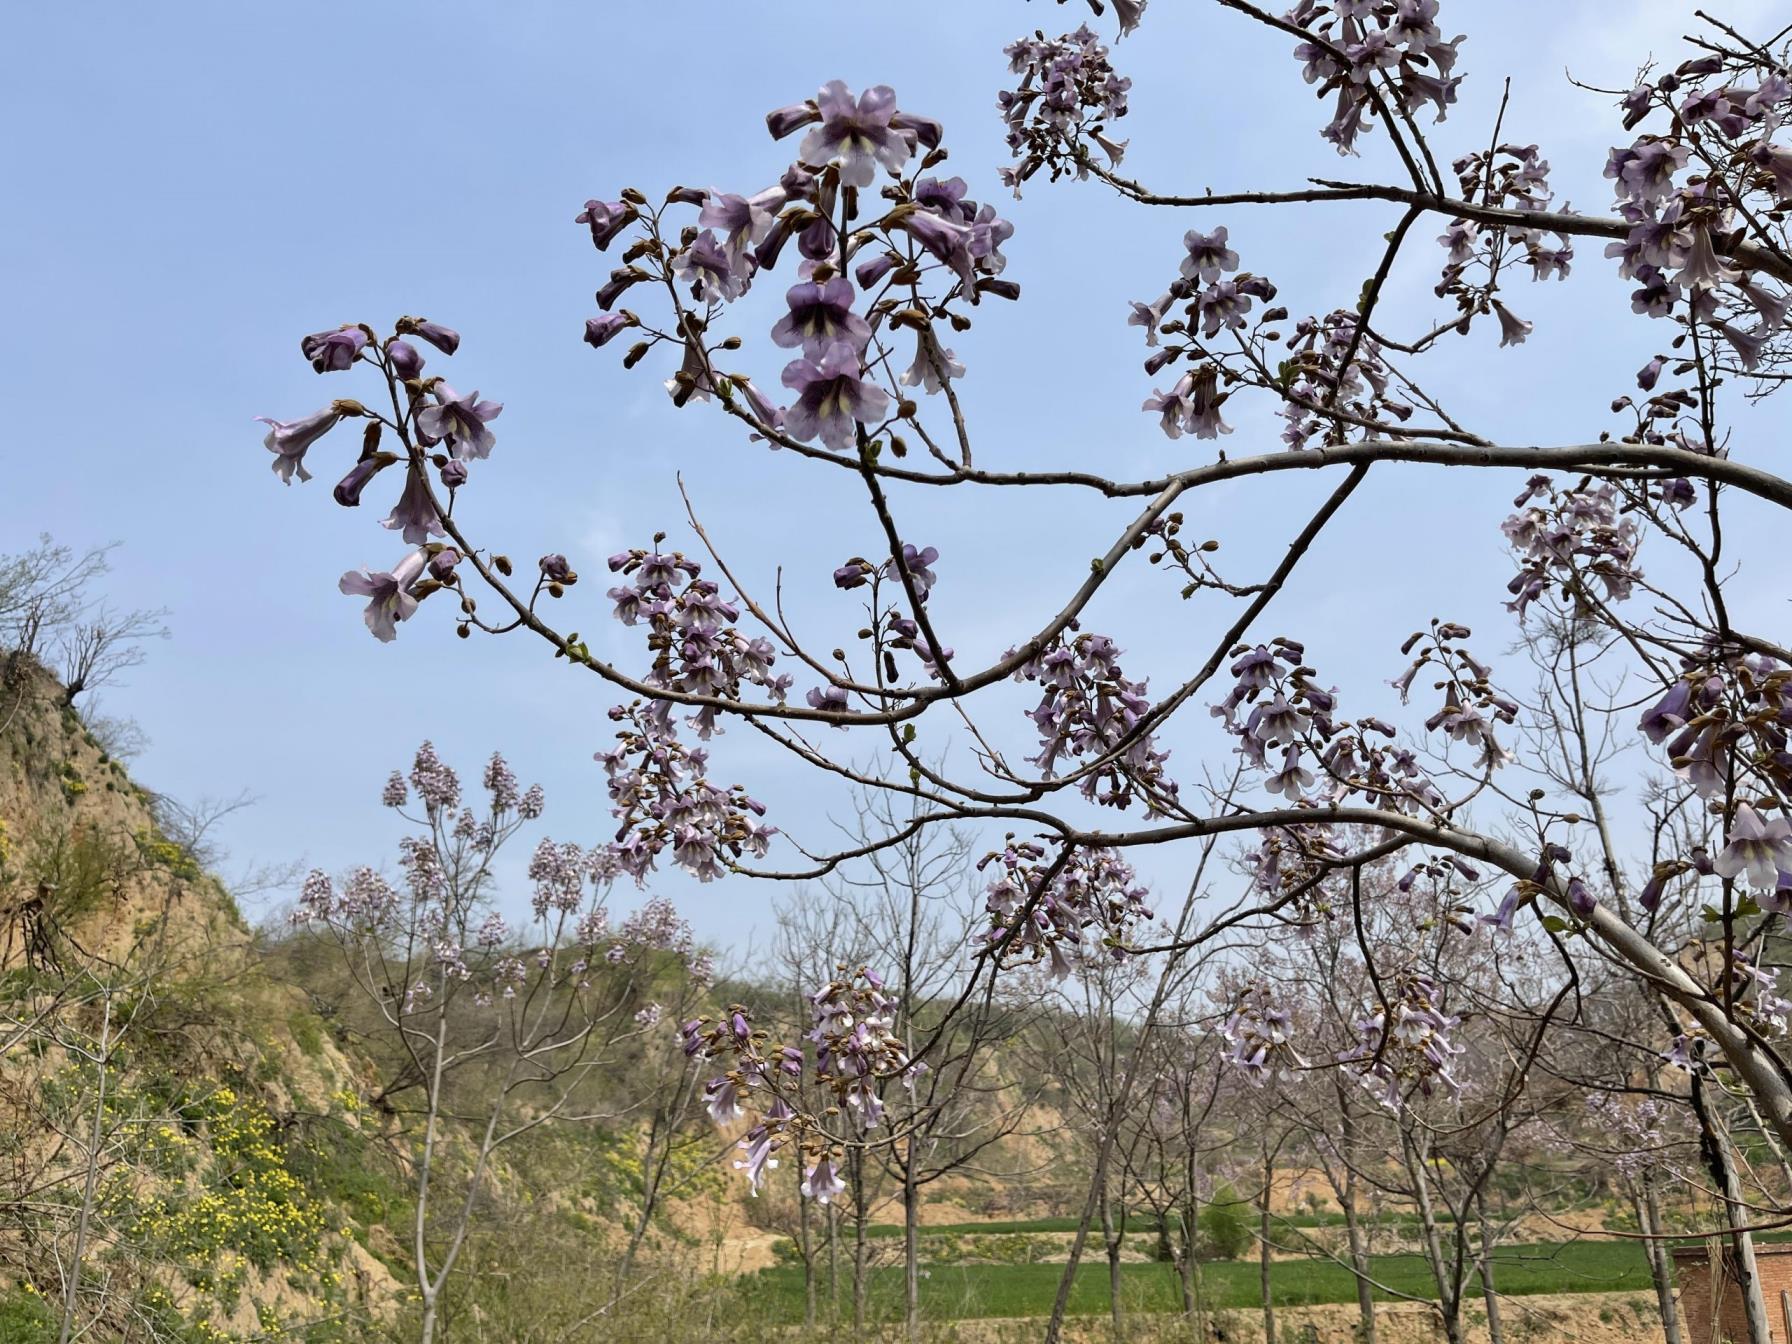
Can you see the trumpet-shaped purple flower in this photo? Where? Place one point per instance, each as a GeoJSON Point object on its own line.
{"type": "Point", "coordinates": [1208, 255]}
{"type": "Point", "coordinates": [821, 1182]}
{"type": "Point", "coordinates": [934, 365]}
{"type": "Point", "coordinates": [948, 241]}
{"type": "Point", "coordinates": [601, 330]}
{"type": "Point", "coordinates": [711, 272]}
{"type": "Point", "coordinates": [445, 339]}
{"type": "Point", "coordinates": [388, 594]}
{"type": "Point", "coordinates": [288, 440]}
{"type": "Point", "coordinates": [460, 421]}
{"type": "Point", "coordinates": [741, 221]}
{"type": "Point", "coordinates": [1761, 848]}
{"type": "Point", "coordinates": [333, 351]}
{"type": "Point", "coordinates": [820, 316]}
{"type": "Point", "coordinates": [856, 135]}
{"type": "Point", "coordinates": [414, 513]}
{"type": "Point", "coordinates": [606, 219]}
{"type": "Point", "coordinates": [831, 397]}
{"type": "Point", "coordinates": [348, 489]}
{"type": "Point", "coordinates": [1513, 329]}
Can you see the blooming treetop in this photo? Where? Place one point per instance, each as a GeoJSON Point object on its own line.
{"type": "Point", "coordinates": [887, 259]}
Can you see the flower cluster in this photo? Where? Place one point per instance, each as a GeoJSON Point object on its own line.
{"type": "Point", "coordinates": [1048, 909]}
{"type": "Point", "coordinates": [1693, 191]}
{"type": "Point", "coordinates": [1290, 720]}
{"type": "Point", "coordinates": [691, 632]}
{"type": "Point", "coordinates": [1725, 719]}
{"type": "Point", "coordinates": [856, 1050]}
{"type": "Point", "coordinates": [1635, 1131]}
{"type": "Point", "coordinates": [858, 279]}
{"type": "Point", "coordinates": [856, 1047]}
{"type": "Point", "coordinates": [1572, 537]}
{"type": "Point", "coordinates": [1259, 1035]}
{"type": "Point", "coordinates": [663, 799]}
{"type": "Point", "coordinates": [437, 426]}
{"type": "Point", "coordinates": [1357, 48]}
{"type": "Point", "coordinates": [1335, 383]}
{"type": "Point", "coordinates": [1509, 177]}
{"type": "Point", "coordinates": [1067, 99]}
{"type": "Point", "coordinates": [1090, 711]}
{"type": "Point", "coordinates": [1209, 298]}
{"type": "Point", "coordinates": [1406, 1040]}
{"type": "Point", "coordinates": [443, 905]}
{"type": "Point", "coordinates": [1754, 990]}
{"type": "Point", "coordinates": [890, 630]}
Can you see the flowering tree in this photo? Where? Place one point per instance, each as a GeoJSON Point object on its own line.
{"type": "Point", "coordinates": [886, 260]}
{"type": "Point", "coordinates": [534, 1014]}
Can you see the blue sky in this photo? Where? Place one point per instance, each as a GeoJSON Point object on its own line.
{"type": "Point", "coordinates": [192, 187]}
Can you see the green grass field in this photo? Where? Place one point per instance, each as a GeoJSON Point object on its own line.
{"type": "Point", "coordinates": [965, 1291]}
{"type": "Point", "coordinates": [1137, 1225]}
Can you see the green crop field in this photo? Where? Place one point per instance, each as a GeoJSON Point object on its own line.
{"type": "Point", "coordinates": [962, 1291]}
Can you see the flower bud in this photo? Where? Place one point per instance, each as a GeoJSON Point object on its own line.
{"type": "Point", "coordinates": [501, 563]}
{"type": "Point", "coordinates": [406, 362]}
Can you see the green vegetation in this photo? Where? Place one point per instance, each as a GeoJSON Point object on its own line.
{"type": "Point", "coordinates": [969, 1291]}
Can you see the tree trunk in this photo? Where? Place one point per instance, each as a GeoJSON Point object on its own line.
{"type": "Point", "coordinates": [1495, 1335]}
{"type": "Point", "coordinates": [1660, 1266]}
{"type": "Point", "coordinates": [911, 1235]}
{"type": "Point", "coordinates": [807, 1242]}
{"type": "Point", "coordinates": [1741, 1259]}
{"type": "Point", "coordinates": [834, 1262]}
{"type": "Point", "coordinates": [1359, 1254]}
{"type": "Point", "coordinates": [1449, 1286]}
{"type": "Point", "coordinates": [1111, 1241]}
{"type": "Point", "coordinates": [858, 1239]}
{"type": "Point", "coordinates": [1269, 1310]}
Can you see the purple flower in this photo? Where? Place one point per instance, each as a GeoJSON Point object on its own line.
{"type": "Point", "coordinates": [1191, 405]}
{"type": "Point", "coordinates": [348, 489]}
{"type": "Point", "coordinates": [1148, 315]}
{"type": "Point", "coordinates": [822, 1183]}
{"type": "Point", "coordinates": [820, 316]}
{"type": "Point", "coordinates": [782, 121]}
{"type": "Point", "coordinates": [388, 595]}
{"type": "Point", "coordinates": [406, 362]}
{"type": "Point", "coordinates": [459, 420]}
{"type": "Point", "coordinates": [858, 136]}
{"type": "Point", "coordinates": [1208, 255]}
{"type": "Point", "coordinates": [1513, 329]}
{"type": "Point", "coordinates": [1761, 848]}
{"type": "Point", "coordinates": [556, 568]}
{"type": "Point", "coordinates": [722, 1097]}
{"type": "Point", "coordinates": [333, 351]}
{"type": "Point", "coordinates": [445, 339]}
{"type": "Point", "coordinates": [413, 512]}
{"type": "Point", "coordinates": [1581, 899]}
{"type": "Point", "coordinates": [934, 365]}
{"type": "Point", "coordinates": [711, 272]}
{"type": "Point", "coordinates": [599, 331]}
{"type": "Point", "coordinates": [442, 563]}
{"type": "Point", "coordinates": [1702, 265]}
{"type": "Point", "coordinates": [831, 397]}
{"type": "Point", "coordinates": [288, 440]}
{"type": "Point", "coordinates": [743, 223]}
{"type": "Point", "coordinates": [607, 219]}
{"type": "Point", "coordinates": [950, 242]}
{"type": "Point", "coordinates": [454, 473]}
